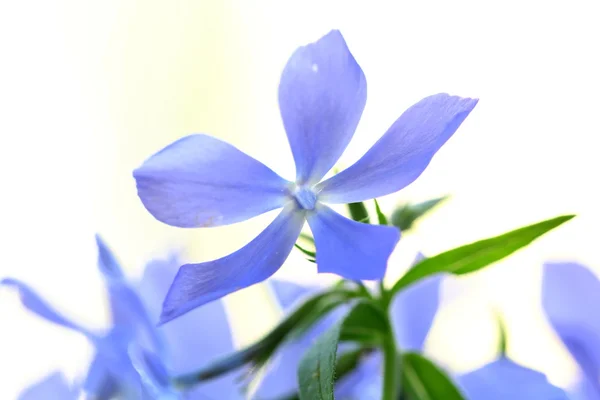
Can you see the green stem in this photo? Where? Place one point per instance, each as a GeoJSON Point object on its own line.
{"type": "Point", "coordinates": [391, 368]}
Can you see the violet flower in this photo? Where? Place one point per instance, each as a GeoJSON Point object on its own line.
{"type": "Point", "coordinates": [200, 181]}
{"type": "Point", "coordinates": [504, 379]}
{"type": "Point", "coordinates": [571, 298]}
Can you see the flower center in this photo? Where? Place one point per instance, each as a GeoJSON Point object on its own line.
{"type": "Point", "coordinates": [305, 197]}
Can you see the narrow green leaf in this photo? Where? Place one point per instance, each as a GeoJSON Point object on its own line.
{"type": "Point", "coordinates": [366, 316]}
{"type": "Point", "coordinates": [405, 215]}
{"type": "Point", "coordinates": [503, 338]}
{"type": "Point", "coordinates": [257, 354]}
{"type": "Point", "coordinates": [307, 252]}
{"type": "Point", "coordinates": [346, 363]}
{"type": "Point", "coordinates": [474, 256]}
{"type": "Point", "coordinates": [381, 218]}
{"type": "Point", "coordinates": [307, 237]}
{"type": "Point", "coordinates": [316, 371]}
{"type": "Point", "coordinates": [423, 380]}
{"type": "Point", "coordinates": [358, 212]}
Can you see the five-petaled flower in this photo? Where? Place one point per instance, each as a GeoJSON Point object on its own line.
{"type": "Point", "coordinates": [200, 181]}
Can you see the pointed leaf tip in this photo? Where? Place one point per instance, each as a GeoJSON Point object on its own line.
{"type": "Point", "coordinates": [477, 255]}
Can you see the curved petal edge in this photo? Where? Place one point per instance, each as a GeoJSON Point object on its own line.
{"type": "Point", "coordinates": [402, 153]}
{"type": "Point", "coordinates": [201, 181]}
{"type": "Point", "coordinates": [322, 94]}
{"type": "Point", "coordinates": [198, 284]}
{"type": "Point", "coordinates": [351, 249]}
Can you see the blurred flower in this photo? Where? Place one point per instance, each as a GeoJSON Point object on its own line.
{"type": "Point", "coordinates": [112, 370]}
{"type": "Point", "coordinates": [193, 340]}
{"type": "Point", "coordinates": [135, 359]}
{"type": "Point", "coordinates": [571, 298]}
{"type": "Point", "coordinates": [504, 379]}
{"type": "Point", "coordinates": [200, 181]}
{"type": "Point", "coordinates": [412, 312]}
{"type": "Point", "coordinates": [53, 386]}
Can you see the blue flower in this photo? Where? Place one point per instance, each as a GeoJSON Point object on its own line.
{"type": "Point", "coordinates": [194, 339]}
{"type": "Point", "coordinates": [53, 386]}
{"type": "Point", "coordinates": [200, 181]}
{"type": "Point", "coordinates": [134, 358]}
{"type": "Point", "coordinates": [571, 298]}
{"type": "Point", "coordinates": [503, 379]}
{"type": "Point", "coordinates": [112, 370]}
{"type": "Point", "coordinates": [412, 312]}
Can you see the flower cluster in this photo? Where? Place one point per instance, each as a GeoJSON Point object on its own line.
{"type": "Point", "coordinates": [170, 338]}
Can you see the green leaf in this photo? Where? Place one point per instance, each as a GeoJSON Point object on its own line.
{"type": "Point", "coordinates": [503, 338]}
{"type": "Point", "coordinates": [423, 380]}
{"type": "Point", "coordinates": [307, 237]}
{"type": "Point", "coordinates": [474, 256]}
{"type": "Point", "coordinates": [405, 215]}
{"type": "Point", "coordinates": [381, 218]}
{"type": "Point", "coordinates": [316, 371]}
{"type": "Point", "coordinates": [346, 363]}
{"type": "Point", "coordinates": [366, 317]}
{"type": "Point", "coordinates": [358, 212]}
{"type": "Point", "coordinates": [366, 325]}
{"type": "Point", "coordinates": [259, 353]}
{"type": "Point", "coordinates": [307, 252]}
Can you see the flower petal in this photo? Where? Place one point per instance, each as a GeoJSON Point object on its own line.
{"type": "Point", "coordinates": [107, 262]}
{"type": "Point", "coordinates": [287, 294]}
{"type": "Point", "coordinates": [112, 368]}
{"type": "Point", "coordinates": [570, 294]}
{"type": "Point", "coordinates": [99, 384]}
{"type": "Point", "coordinates": [128, 311]}
{"type": "Point", "coordinates": [413, 311]}
{"type": "Point", "coordinates": [34, 303]}
{"type": "Point", "coordinates": [351, 249]}
{"type": "Point", "coordinates": [365, 382]}
{"type": "Point", "coordinates": [322, 94]}
{"type": "Point", "coordinates": [185, 345]}
{"type": "Point", "coordinates": [53, 386]}
{"type": "Point", "coordinates": [198, 284]}
{"type": "Point", "coordinates": [504, 379]}
{"type": "Point", "coordinates": [201, 181]}
{"type": "Point", "coordinates": [188, 342]}
{"type": "Point", "coordinates": [402, 153]}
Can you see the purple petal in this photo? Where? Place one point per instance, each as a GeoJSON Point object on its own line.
{"type": "Point", "coordinates": [322, 95]}
{"type": "Point", "coordinates": [98, 382]}
{"type": "Point", "coordinates": [413, 311]}
{"type": "Point", "coordinates": [402, 153]}
{"type": "Point", "coordinates": [128, 311]}
{"type": "Point", "coordinates": [198, 284]}
{"type": "Point", "coordinates": [112, 368]}
{"type": "Point", "coordinates": [351, 249]}
{"type": "Point", "coordinates": [195, 338]}
{"type": "Point", "coordinates": [200, 181]}
{"type": "Point", "coordinates": [34, 303]}
{"type": "Point", "coordinates": [53, 386]}
{"type": "Point", "coordinates": [107, 262]}
{"type": "Point", "coordinates": [570, 295]}
{"type": "Point", "coordinates": [288, 294]}
{"type": "Point", "coordinates": [504, 379]}
{"type": "Point", "coordinates": [365, 382]}
{"type": "Point", "coordinates": [585, 389]}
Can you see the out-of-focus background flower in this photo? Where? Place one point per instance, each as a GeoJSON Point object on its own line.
{"type": "Point", "coordinates": [88, 90]}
